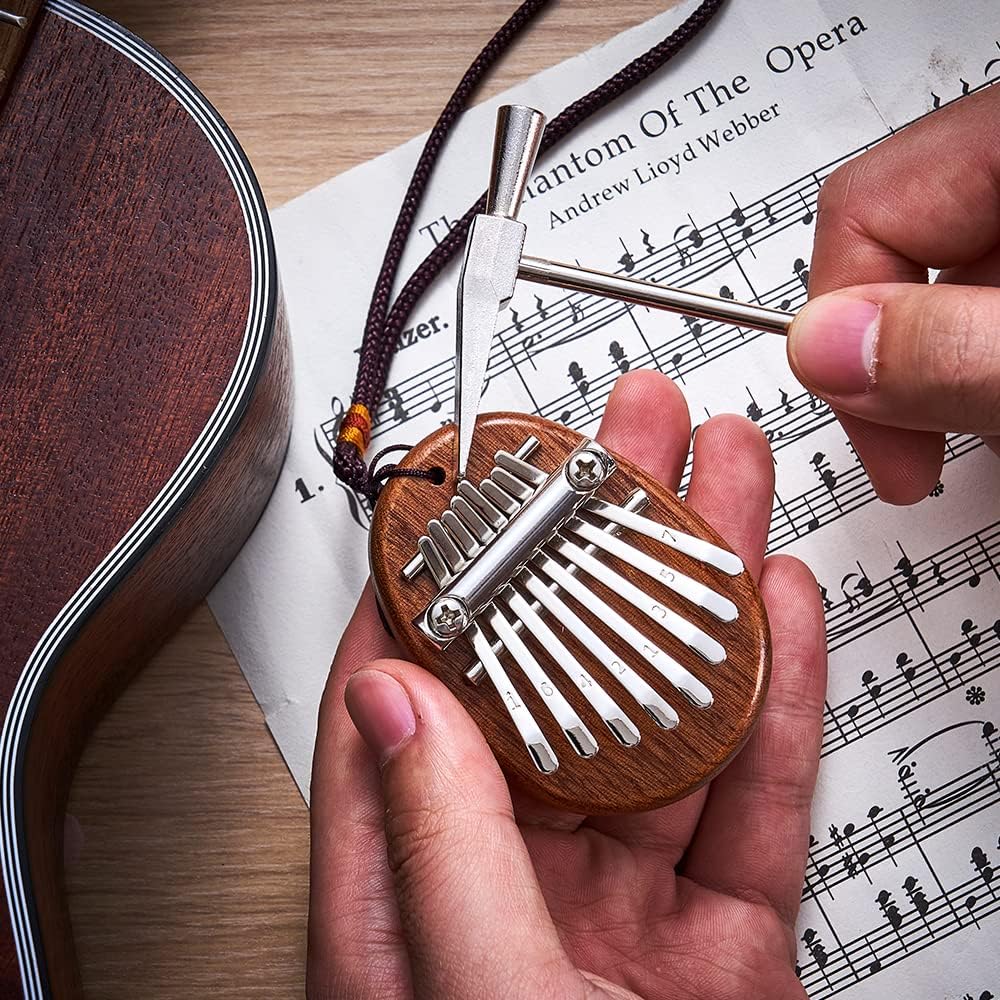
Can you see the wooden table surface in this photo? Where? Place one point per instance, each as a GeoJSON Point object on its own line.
{"type": "Point", "coordinates": [192, 875]}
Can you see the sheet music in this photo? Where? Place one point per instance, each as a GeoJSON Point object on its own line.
{"type": "Point", "coordinates": [707, 176]}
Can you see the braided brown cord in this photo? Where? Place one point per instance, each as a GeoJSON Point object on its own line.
{"type": "Point", "coordinates": [384, 325]}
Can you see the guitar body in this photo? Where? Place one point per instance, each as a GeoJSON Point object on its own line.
{"type": "Point", "coordinates": [144, 411]}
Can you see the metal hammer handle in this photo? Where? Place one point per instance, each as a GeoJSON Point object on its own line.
{"type": "Point", "coordinates": [515, 148]}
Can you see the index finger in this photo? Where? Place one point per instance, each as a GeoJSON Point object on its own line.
{"type": "Point", "coordinates": [928, 197]}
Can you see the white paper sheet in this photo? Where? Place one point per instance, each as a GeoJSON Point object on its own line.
{"type": "Point", "coordinates": [715, 190]}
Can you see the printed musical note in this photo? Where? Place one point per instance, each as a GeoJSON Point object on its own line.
{"type": "Point", "coordinates": [807, 216]}
{"type": "Point", "coordinates": [526, 349]}
{"type": "Point", "coordinates": [826, 474]}
{"type": "Point", "coordinates": [626, 260]}
{"type": "Point", "coordinates": [970, 906]}
{"type": "Point", "coordinates": [647, 242]}
{"type": "Point", "coordinates": [740, 220]}
{"type": "Point", "coordinates": [890, 910]}
{"type": "Point", "coordinates": [675, 360]}
{"type": "Point", "coordinates": [888, 838]}
{"type": "Point", "coordinates": [906, 775]}
{"type": "Point", "coordinates": [869, 681]}
{"type": "Point", "coordinates": [577, 311]}
{"type": "Point", "coordinates": [516, 320]}
{"type": "Point", "coordinates": [813, 523]}
{"type": "Point", "coordinates": [578, 378]}
{"type": "Point", "coordinates": [814, 946]}
{"type": "Point", "coordinates": [540, 307]}
{"type": "Point", "coordinates": [801, 272]}
{"type": "Point", "coordinates": [904, 664]}
{"type": "Point", "coordinates": [910, 577]}
{"type": "Point", "coordinates": [617, 353]}
{"type": "Point", "coordinates": [821, 870]}
{"type": "Point", "coordinates": [768, 214]}
{"type": "Point", "coordinates": [983, 868]}
{"type": "Point", "coordinates": [694, 236]}
{"type": "Point", "coordinates": [918, 899]}
{"type": "Point", "coordinates": [693, 325]}
{"type": "Point", "coordinates": [754, 412]}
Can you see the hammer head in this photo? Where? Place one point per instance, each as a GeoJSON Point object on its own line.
{"type": "Point", "coordinates": [492, 256]}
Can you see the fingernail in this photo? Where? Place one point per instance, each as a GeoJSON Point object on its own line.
{"type": "Point", "coordinates": [381, 711]}
{"type": "Point", "coordinates": [833, 344]}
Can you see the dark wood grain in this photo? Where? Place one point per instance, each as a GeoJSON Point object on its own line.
{"type": "Point", "coordinates": [14, 38]}
{"type": "Point", "coordinates": [665, 765]}
{"type": "Point", "coordinates": [150, 603]}
{"type": "Point", "coordinates": [127, 278]}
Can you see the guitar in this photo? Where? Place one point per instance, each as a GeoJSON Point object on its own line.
{"type": "Point", "coordinates": [144, 408]}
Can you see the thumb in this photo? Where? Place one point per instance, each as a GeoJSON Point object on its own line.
{"type": "Point", "coordinates": [926, 357]}
{"type": "Point", "coordinates": [471, 909]}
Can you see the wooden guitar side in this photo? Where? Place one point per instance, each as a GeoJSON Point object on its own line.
{"type": "Point", "coordinates": [144, 379]}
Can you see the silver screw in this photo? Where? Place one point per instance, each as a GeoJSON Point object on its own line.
{"type": "Point", "coordinates": [586, 471]}
{"type": "Point", "coordinates": [448, 617]}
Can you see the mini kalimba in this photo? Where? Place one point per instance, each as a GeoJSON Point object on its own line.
{"type": "Point", "coordinates": [611, 648]}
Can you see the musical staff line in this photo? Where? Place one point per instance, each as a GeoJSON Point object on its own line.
{"type": "Point", "coordinates": [804, 514]}
{"type": "Point", "coordinates": [964, 905]}
{"type": "Point", "coordinates": [687, 260]}
{"type": "Point", "coordinates": [912, 686]}
{"type": "Point", "coordinates": [854, 852]}
{"type": "Point", "coordinates": [961, 563]}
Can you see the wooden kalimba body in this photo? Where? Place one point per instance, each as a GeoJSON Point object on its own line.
{"type": "Point", "coordinates": [611, 648]}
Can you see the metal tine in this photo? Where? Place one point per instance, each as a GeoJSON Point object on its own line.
{"type": "Point", "coordinates": [622, 727]}
{"type": "Point", "coordinates": [494, 517]}
{"type": "Point", "coordinates": [446, 546]}
{"type": "Point", "coordinates": [464, 538]}
{"type": "Point", "coordinates": [472, 520]}
{"type": "Point", "coordinates": [510, 484]}
{"type": "Point", "coordinates": [656, 707]}
{"type": "Point", "coordinates": [573, 727]}
{"type": "Point", "coordinates": [507, 504]}
{"type": "Point", "coordinates": [492, 514]}
{"type": "Point", "coordinates": [523, 470]}
{"type": "Point", "coordinates": [688, 633]}
{"type": "Point", "coordinates": [433, 561]}
{"type": "Point", "coordinates": [697, 593]}
{"type": "Point", "coordinates": [697, 548]}
{"type": "Point", "coordinates": [636, 500]}
{"type": "Point", "coordinates": [534, 739]}
{"type": "Point", "coordinates": [681, 678]}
